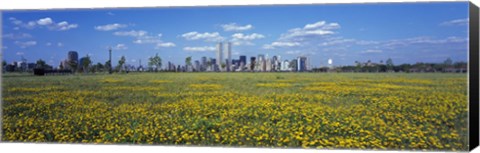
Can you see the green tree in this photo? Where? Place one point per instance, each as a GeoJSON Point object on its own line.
{"type": "Point", "coordinates": [448, 62]}
{"type": "Point", "coordinates": [73, 65]}
{"type": "Point", "coordinates": [86, 61]}
{"type": "Point", "coordinates": [389, 64]}
{"type": "Point", "coordinates": [108, 65]}
{"type": "Point", "coordinates": [121, 62]}
{"type": "Point", "coordinates": [155, 61]}
{"type": "Point", "coordinates": [98, 67]}
{"type": "Point", "coordinates": [41, 64]}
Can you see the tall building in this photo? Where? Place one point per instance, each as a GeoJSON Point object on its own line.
{"type": "Point", "coordinates": [73, 56]}
{"type": "Point", "coordinates": [229, 55]}
{"type": "Point", "coordinates": [203, 65]}
{"type": "Point", "coordinates": [219, 54]}
{"type": "Point", "coordinates": [302, 64]}
{"type": "Point", "coordinates": [197, 65]}
{"type": "Point", "coordinates": [243, 59]}
{"type": "Point", "coordinates": [252, 63]}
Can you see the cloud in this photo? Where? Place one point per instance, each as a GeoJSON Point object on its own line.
{"type": "Point", "coordinates": [147, 40]}
{"type": "Point", "coordinates": [64, 25]}
{"type": "Point", "coordinates": [120, 47]}
{"type": "Point", "coordinates": [235, 27]}
{"type": "Point", "coordinates": [199, 49]}
{"type": "Point", "coordinates": [245, 39]}
{"type": "Point", "coordinates": [4, 47]}
{"type": "Point", "coordinates": [241, 36]}
{"type": "Point", "coordinates": [322, 25]}
{"type": "Point", "coordinates": [372, 51]}
{"type": "Point", "coordinates": [20, 53]}
{"type": "Point", "coordinates": [48, 44]}
{"type": "Point", "coordinates": [456, 22]}
{"type": "Point", "coordinates": [44, 21]}
{"type": "Point", "coordinates": [295, 52]}
{"type": "Point", "coordinates": [110, 27]}
{"type": "Point", "coordinates": [280, 44]}
{"type": "Point", "coordinates": [16, 36]}
{"type": "Point", "coordinates": [320, 28]}
{"type": "Point", "coordinates": [59, 44]}
{"type": "Point", "coordinates": [47, 22]}
{"type": "Point", "coordinates": [167, 44]}
{"type": "Point", "coordinates": [132, 33]}
{"type": "Point", "coordinates": [110, 13]}
{"type": "Point", "coordinates": [336, 41]}
{"type": "Point", "coordinates": [25, 44]}
{"type": "Point", "coordinates": [211, 37]}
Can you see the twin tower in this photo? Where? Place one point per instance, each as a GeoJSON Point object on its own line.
{"type": "Point", "coordinates": [220, 59]}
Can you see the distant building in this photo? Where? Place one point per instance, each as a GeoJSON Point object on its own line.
{"type": "Point", "coordinates": [229, 55]}
{"type": "Point", "coordinates": [197, 65]}
{"type": "Point", "coordinates": [203, 64]}
{"type": "Point", "coordinates": [252, 63]}
{"type": "Point", "coordinates": [72, 58]}
{"type": "Point", "coordinates": [243, 59]}
{"type": "Point", "coordinates": [302, 64]}
{"type": "Point", "coordinates": [219, 54]}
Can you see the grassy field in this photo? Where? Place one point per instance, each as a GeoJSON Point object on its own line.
{"type": "Point", "coordinates": [330, 110]}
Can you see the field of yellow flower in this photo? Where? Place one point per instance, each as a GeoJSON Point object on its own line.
{"type": "Point", "coordinates": [359, 111]}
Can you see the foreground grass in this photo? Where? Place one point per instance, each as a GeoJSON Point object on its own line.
{"type": "Point", "coordinates": [374, 111]}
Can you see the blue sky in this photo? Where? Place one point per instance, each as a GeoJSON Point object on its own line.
{"type": "Point", "coordinates": [405, 32]}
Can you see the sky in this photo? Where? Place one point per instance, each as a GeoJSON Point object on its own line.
{"type": "Point", "coordinates": [345, 33]}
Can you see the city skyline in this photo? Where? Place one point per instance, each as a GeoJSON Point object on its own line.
{"type": "Point", "coordinates": [321, 32]}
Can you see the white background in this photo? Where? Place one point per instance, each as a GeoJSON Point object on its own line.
{"type": "Point", "coordinates": [82, 148]}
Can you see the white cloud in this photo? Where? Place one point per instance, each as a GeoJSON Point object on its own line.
{"type": "Point", "coordinates": [132, 33]}
{"type": "Point", "coordinates": [336, 41]}
{"type": "Point", "coordinates": [199, 49]}
{"type": "Point", "coordinates": [322, 25]}
{"type": "Point", "coordinates": [120, 47]}
{"type": "Point", "coordinates": [16, 36]}
{"type": "Point", "coordinates": [25, 44]}
{"type": "Point", "coordinates": [167, 44]}
{"type": "Point", "coordinates": [48, 44]}
{"type": "Point", "coordinates": [241, 36]}
{"type": "Point", "coordinates": [280, 44]}
{"type": "Point", "coordinates": [215, 36]}
{"type": "Point", "coordinates": [110, 27]}
{"type": "Point", "coordinates": [372, 51]}
{"type": "Point", "coordinates": [235, 27]}
{"type": "Point", "coordinates": [20, 53]}
{"type": "Point", "coordinates": [4, 47]}
{"type": "Point", "coordinates": [110, 13]}
{"type": "Point", "coordinates": [320, 28]}
{"type": "Point", "coordinates": [63, 26]}
{"type": "Point", "coordinates": [147, 39]}
{"type": "Point", "coordinates": [456, 22]}
{"type": "Point", "coordinates": [59, 44]}
{"type": "Point", "coordinates": [44, 21]}
{"type": "Point", "coordinates": [295, 52]}
{"type": "Point", "coordinates": [245, 39]}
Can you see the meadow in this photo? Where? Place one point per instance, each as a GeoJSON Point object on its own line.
{"type": "Point", "coordinates": [281, 110]}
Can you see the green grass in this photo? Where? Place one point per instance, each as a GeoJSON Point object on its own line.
{"type": "Point", "coordinates": [242, 108]}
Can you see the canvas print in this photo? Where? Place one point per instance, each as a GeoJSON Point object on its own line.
{"type": "Point", "coordinates": [331, 76]}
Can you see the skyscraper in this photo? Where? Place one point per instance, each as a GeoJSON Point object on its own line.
{"type": "Point", "coordinates": [243, 59]}
{"type": "Point", "coordinates": [252, 63]}
{"type": "Point", "coordinates": [302, 64]}
{"type": "Point", "coordinates": [219, 54]}
{"type": "Point", "coordinates": [229, 55]}
{"type": "Point", "coordinates": [72, 60]}
{"type": "Point", "coordinates": [203, 65]}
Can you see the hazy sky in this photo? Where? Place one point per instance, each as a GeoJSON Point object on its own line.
{"type": "Point", "coordinates": [407, 33]}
